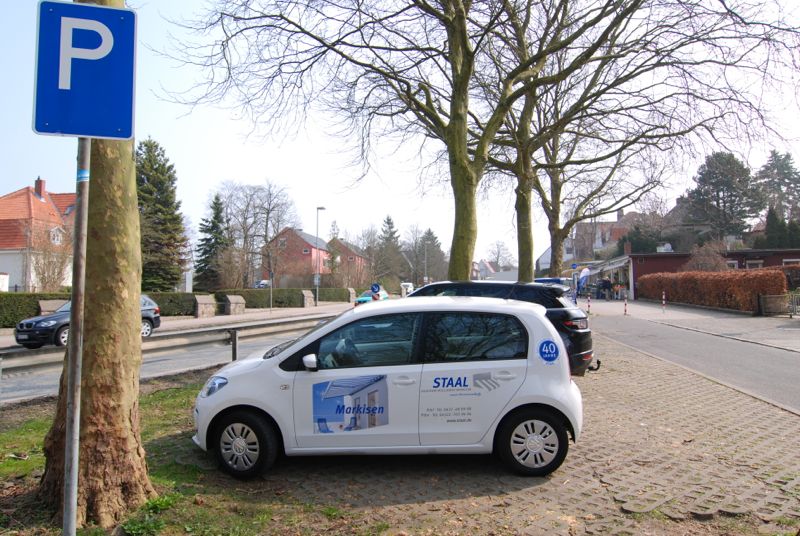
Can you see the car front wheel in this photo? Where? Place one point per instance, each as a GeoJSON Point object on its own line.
{"type": "Point", "coordinates": [245, 444]}
{"type": "Point", "coordinates": [532, 442]}
{"type": "Point", "coordinates": [147, 328]}
{"type": "Point", "coordinates": [62, 336]}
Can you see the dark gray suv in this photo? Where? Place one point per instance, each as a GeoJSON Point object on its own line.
{"type": "Point", "coordinates": [54, 328]}
{"type": "Point", "coordinates": [569, 320]}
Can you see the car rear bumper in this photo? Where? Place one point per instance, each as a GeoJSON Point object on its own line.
{"type": "Point", "coordinates": [579, 363]}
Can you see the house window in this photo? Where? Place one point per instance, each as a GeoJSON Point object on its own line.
{"type": "Point", "coordinates": [350, 258]}
{"type": "Point", "coordinates": [753, 264]}
{"type": "Point", "coordinates": [282, 243]}
{"type": "Point", "coordinates": [787, 262]}
{"type": "Point", "coordinates": [55, 237]}
{"type": "Point", "coordinates": [306, 251]}
{"type": "Point", "coordinates": [733, 265]}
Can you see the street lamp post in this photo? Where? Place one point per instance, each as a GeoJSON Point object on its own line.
{"type": "Point", "coordinates": [318, 275]}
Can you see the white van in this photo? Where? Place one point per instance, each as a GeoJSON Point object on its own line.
{"type": "Point", "coordinates": [447, 375]}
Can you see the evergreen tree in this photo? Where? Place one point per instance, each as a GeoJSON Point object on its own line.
{"type": "Point", "coordinates": [793, 234]}
{"type": "Point", "coordinates": [436, 265]}
{"type": "Point", "coordinates": [775, 230]}
{"type": "Point", "coordinates": [210, 247]}
{"type": "Point", "coordinates": [164, 242]}
{"type": "Point", "coordinates": [780, 182]}
{"type": "Point", "coordinates": [388, 261]}
{"type": "Point", "coordinates": [642, 240]}
{"type": "Point", "coordinates": [725, 196]}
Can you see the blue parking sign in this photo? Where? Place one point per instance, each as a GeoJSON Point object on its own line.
{"type": "Point", "coordinates": [85, 63]}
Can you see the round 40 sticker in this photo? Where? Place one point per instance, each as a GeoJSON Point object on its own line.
{"type": "Point", "coordinates": [548, 350]}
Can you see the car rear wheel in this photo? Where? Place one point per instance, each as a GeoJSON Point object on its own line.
{"type": "Point", "coordinates": [62, 336]}
{"type": "Point", "coordinates": [245, 444]}
{"type": "Point", "coordinates": [33, 345]}
{"type": "Point", "coordinates": [147, 328]}
{"type": "Point", "coordinates": [532, 442]}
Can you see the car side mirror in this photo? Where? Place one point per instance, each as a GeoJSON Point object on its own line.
{"type": "Point", "coordinates": [310, 362]}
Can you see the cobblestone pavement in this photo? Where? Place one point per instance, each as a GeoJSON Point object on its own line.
{"type": "Point", "coordinates": [664, 451]}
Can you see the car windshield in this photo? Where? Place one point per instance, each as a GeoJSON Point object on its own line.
{"type": "Point", "coordinates": [366, 294]}
{"type": "Point", "coordinates": [64, 308]}
{"type": "Point", "coordinates": [275, 350]}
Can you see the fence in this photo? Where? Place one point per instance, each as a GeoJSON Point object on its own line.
{"type": "Point", "coordinates": [779, 304]}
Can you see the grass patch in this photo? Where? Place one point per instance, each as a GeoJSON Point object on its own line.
{"type": "Point", "coordinates": [21, 448]}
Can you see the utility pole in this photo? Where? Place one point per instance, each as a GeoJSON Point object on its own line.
{"type": "Point", "coordinates": [319, 252]}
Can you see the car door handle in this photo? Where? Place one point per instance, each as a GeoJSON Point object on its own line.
{"type": "Point", "coordinates": [404, 380]}
{"type": "Point", "coordinates": [504, 376]}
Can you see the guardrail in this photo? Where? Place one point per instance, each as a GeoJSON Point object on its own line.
{"type": "Point", "coordinates": [21, 360]}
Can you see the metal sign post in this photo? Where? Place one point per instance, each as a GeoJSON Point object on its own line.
{"type": "Point", "coordinates": [75, 351]}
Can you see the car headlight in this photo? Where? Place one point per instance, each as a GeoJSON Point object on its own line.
{"type": "Point", "coordinates": [214, 384]}
{"type": "Point", "coordinates": [46, 323]}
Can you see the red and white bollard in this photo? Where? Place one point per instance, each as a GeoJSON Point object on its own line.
{"type": "Point", "coordinates": [663, 301]}
{"type": "Point", "coordinates": [588, 304]}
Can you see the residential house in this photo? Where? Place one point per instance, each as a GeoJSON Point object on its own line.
{"type": "Point", "coordinates": [349, 265]}
{"type": "Point", "coordinates": [35, 238]}
{"type": "Point", "coordinates": [293, 257]}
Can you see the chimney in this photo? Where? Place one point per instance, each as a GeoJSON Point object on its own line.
{"type": "Point", "coordinates": [40, 189]}
{"type": "Point", "coordinates": [626, 247]}
{"type": "Point", "coordinates": [620, 213]}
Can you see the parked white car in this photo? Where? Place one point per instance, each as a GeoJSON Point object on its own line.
{"type": "Point", "coordinates": [448, 375]}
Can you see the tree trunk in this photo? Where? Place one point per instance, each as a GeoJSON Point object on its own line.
{"type": "Point", "coordinates": [465, 227]}
{"type": "Point", "coordinates": [557, 237]}
{"type": "Point", "coordinates": [112, 475]}
{"type": "Point", "coordinates": [522, 206]}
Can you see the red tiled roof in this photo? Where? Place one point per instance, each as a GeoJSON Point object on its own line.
{"type": "Point", "coordinates": [20, 208]}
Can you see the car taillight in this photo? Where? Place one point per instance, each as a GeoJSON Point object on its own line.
{"type": "Point", "coordinates": [158, 310]}
{"type": "Point", "coordinates": [581, 323]}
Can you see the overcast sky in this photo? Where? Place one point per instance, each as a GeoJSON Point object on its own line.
{"type": "Point", "coordinates": [210, 145]}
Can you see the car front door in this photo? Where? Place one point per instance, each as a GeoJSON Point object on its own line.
{"type": "Point", "coordinates": [473, 364]}
{"type": "Point", "coordinates": [366, 390]}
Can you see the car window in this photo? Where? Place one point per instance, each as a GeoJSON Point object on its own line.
{"type": "Point", "coordinates": [370, 342]}
{"type": "Point", "coordinates": [473, 336]}
{"type": "Point", "coordinates": [64, 308]}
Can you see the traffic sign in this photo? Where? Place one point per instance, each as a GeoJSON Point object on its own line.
{"type": "Point", "coordinates": [85, 63]}
{"type": "Point", "coordinates": [375, 288]}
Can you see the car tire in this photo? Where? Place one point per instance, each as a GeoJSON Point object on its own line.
{"type": "Point", "coordinates": [147, 328]}
{"type": "Point", "coordinates": [245, 444]}
{"type": "Point", "coordinates": [532, 442]}
{"type": "Point", "coordinates": [33, 345]}
{"type": "Point", "coordinates": [62, 336]}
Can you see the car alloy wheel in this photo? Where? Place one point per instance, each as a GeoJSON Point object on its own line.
{"type": "Point", "coordinates": [246, 444]}
{"type": "Point", "coordinates": [62, 336]}
{"type": "Point", "coordinates": [533, 442]}
{"type": "Point", "coordinates": [147, 328]}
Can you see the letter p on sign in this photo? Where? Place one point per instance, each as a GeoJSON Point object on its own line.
{"type": "Point", "coordinates": [85, 65]}
{"type": "Point", "coordinates": [67, 51]}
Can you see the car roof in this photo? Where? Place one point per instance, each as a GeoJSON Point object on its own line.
{"type": "Point", "coordinates": [447, 304]}
{"type": "Point", "coordinates": [535, 284]}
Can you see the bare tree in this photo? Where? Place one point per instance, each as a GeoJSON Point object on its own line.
{"type": "Point", "coordinates": [500, 255]}
{"type": "Point", "coordinates": [404, 67]}
{"type": "Point", "coordinates": [49, 253]}
{"type": "Point", "coordinates": [255, 215]}
{"type": "Point", "coordinates": [671, 73]}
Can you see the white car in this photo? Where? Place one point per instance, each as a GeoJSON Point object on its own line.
{"type": "Point", "coordinates": [447, 375]}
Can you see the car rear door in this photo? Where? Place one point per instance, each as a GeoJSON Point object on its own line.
{"type": "Point", "coordinates": [473, 364]}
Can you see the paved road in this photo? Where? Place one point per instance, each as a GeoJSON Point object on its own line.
{"type": "Point", "coordinates": [714, 344]}
{"type": "Point", "coordinates": [44, 382]}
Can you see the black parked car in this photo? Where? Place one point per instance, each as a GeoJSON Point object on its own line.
{"type": "Point", "coordinates": [54, 328]}
{"type": "Point", "coordinates": [569, 320]}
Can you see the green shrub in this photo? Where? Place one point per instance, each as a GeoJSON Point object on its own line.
{"type": "Point", "coordinates": [733, 289]}
{"type": "Point", "coordinates": [174, 303]}
{"type": "Point", "coordinates": [14, 306]}
{"type": "Point", "coordinates": [334, 295]}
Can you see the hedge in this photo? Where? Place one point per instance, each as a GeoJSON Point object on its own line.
{"type": "Point", "coordinates": [15, 306]}
{"type": "Point", "coordinates": [733, 289]}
